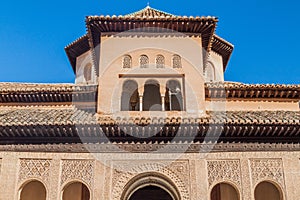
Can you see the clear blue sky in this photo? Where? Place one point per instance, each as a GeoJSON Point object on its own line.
{"type": "Point", "coordinates": [265, 33]}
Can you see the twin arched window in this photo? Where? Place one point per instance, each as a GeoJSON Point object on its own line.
{"type": "Point", "coordinates": [36, 190]}
{"type": "Point", "coordinates": [264, 190]}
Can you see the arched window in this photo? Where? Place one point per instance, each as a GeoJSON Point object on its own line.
{"type": "Point", "coordinates": [160, 61]}
{"type": "Point", "coordinates": [176, 61]}
{"type": "Point", "coordinates": [76, 191]}
{"type": "Point", "coordinates": [87, 72]}
{"type": "Point", "coordinates": [266, 190]}
{"type": "Point", "coordinates": [144, 61]}
{"type": "Point", "coordinates": [151, 97]}
{"type": "Point", "coordinates": [224, 191]}
{"type": "Point", "coordinates": [130, 96]}
{"type": "Point", "coordinates": [173, 96]}
{"type": "Point", "coordinates": [33, 190]}
{"type": "Point", "coordinates": [127, 61]}
{"type": "Point", "coordinates": [209, 72]}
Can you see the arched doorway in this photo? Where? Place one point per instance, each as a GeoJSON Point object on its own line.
{"type": "Point", "coordinates": [151, 97]}
{"type": "Point", "coordinates": [130, 96]}
{"type": "Point", "coordinates": [33, 190]}
{"type": "Point", "coordinates": [150, 186]}
{"type": "Point", "coordinates": [267, 191]}
{"type": "Point", "coordinates": [150, 193]}
{"type": "Point", "coordinates": [76, 191]}
{"type": "Point", "coordinates": [224, 191]}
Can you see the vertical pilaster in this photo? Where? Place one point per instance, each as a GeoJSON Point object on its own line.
{"type": "Point", "coordinates": [246, 193]}
{"type": "Point", "coordinates": [9, 176]}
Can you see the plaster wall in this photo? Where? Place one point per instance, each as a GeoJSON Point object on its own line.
{"type": "Point", "coordinates": [195, 173]}
{"type": "Point", "coordinates": [81, 62]}
{"type": "Point", "coordinates": [112, 74]}
{"type": "Point", "coordinates": [217, 60]}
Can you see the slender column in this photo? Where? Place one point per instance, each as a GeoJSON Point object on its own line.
{"type": "Point", "coordinates": [141, 102]}
{"type": "Point", "coordinates": [170, 100]}
{"type": "Point", "coordinates": [163, 108]}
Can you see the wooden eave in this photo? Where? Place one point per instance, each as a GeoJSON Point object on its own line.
{"type": "Point", "coordinates": [66, 125]}
{"type": "Point", "coordinates": [45, 94]}
{"type": "Point", "coordinates": [94, 133]}
{"type": "Point", "coordinates": [76, 49]}
{"type": "Point", "coordinates": [252, 91]}
{"type": "Point", "coordinates": [224, 48]}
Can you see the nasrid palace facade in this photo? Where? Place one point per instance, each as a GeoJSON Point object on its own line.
{"type": "Point", "coordinates": [149, 117]}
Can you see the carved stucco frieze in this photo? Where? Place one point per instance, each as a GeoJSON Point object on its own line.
{"type": "Point", "coordinates": [177, 171]}
{"type": "Point", "coordinates": [78, 170]}
{"type": "Point", "coordinates": [34, 168]}
{"type": "Point", "coordinates": [266, 169]}
{"type": "Point", "coordinates": [224, 170]}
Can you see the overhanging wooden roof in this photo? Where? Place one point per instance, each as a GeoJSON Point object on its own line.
{"type": "Point", "coordinates": [148, 20]}
{"type": "Point", "coordinates": [228, 90]}
{"type": "Point", "coordinates": [145, 20]}
{"type": "Point", "coordinates": [222, 47]}
{"type": "Point", "coordinates": [66, 124]}
{"type": "Point", "coordinates": [33, 93]}
{"type": "Point", "coordinates": [77, 48]}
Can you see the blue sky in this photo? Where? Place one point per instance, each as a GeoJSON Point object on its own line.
{"type": "Point", "coordinates": [265, 33]}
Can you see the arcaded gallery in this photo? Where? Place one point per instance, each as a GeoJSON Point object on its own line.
{"type": "Point", "coordinates": [149, 117]}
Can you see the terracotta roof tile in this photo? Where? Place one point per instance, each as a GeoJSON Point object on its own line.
{"type": "Point", "coordinates": [27, 87]}
{"type": "Point", "coordinates": [12, 116]}
{"type": "Point", "coordinates": [150, 12]}
{"type": "Point", "coordinates": [27, 93]}
{"type": "Point", "coordinates": [222, 47]}
{"type": "Point", "coordinates": [19, 116]}
{"type": "Point", "coordinates": [241, 90]}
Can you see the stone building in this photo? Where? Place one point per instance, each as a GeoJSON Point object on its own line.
{"type": "Point", "coordinates": [149, 117]}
